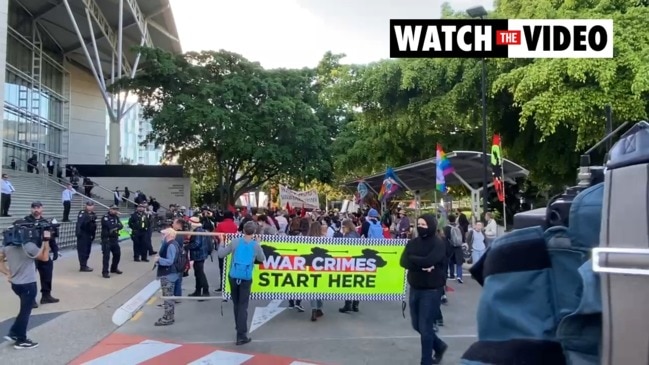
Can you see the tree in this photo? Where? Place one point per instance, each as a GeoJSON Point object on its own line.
{"type": "Point", "coordinates": [231, 123]}
{"type": "Point", "coordinates": [548, 111]}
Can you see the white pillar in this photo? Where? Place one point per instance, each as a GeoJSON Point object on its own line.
{"type": "Point", "coordinates": [4, 10]}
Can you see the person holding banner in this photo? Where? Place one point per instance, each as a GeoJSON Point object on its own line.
{"type": "Point", "coordinates": [245, 252]}
{"type": "Point", "coordinates": [316, 304]}
{"type": "Point", "coordinates": [424, 257]}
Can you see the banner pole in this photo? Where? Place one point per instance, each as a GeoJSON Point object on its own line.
{"type": "Point", "coordinates": [502, 163]}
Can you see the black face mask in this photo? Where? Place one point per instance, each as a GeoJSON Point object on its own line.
{"type": "Point", "coordinates": [422, 232]}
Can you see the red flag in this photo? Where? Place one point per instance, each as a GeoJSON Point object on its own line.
{"type": "Point", "coordinates": [231, 208]}
{"type": "Point", "coordinates": [303, 212]}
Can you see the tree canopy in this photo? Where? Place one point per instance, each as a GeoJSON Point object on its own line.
{"type": "Point", "coordinates": [234, 124]}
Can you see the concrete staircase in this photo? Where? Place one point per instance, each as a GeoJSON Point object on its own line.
{"type": "Point", "coordinates": [46, 189]}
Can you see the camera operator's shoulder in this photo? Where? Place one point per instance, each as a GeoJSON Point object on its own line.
{"type": "Point", "coordinates": [31, 249]}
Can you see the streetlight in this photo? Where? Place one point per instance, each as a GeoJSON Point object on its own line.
{"type": "Point", "coordinates": [480, 12]}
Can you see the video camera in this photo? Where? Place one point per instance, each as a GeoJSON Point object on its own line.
{"type": "Point", "coordinates": [557, 211]}
{"type": "Point", "coordinates": [21, 233]}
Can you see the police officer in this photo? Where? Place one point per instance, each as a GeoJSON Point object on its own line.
{"type": "Point", "coordinates": [85, 231]}
{"type": "Point", "coordinates": [139, 224]}
{"type": "Point", "coordinates": [110, 227]}
{"type": "Point", "coordinates": [45, 268]}
{"type": "Point", "coordinates": [148, 210]}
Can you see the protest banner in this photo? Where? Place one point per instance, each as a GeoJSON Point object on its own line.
{"type": "Point", "coordinates": [298, 199]}
{"type": "Point", "coordinates": [299, 267]}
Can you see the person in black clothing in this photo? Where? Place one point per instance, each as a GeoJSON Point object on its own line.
{"type": "Point", "coordinates": [110, 227]}
{"type": "Point", "coordinates": [85, 231]}
{"type": "Point", "coordinates": [423, 257]}
{"type": "Point", "coordinates": [463, 222]}
{"type": "Point", "coordinates": [455, 255]}
{"type": "Point", "coordinates": [139, 225]}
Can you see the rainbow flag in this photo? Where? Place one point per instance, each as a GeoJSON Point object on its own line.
{"type": "Point", "coordinates": [390, 185]}
{"type": "Point", "coordinates": [443, 168]}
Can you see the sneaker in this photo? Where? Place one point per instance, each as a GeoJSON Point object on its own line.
{"type": "Point", "coordinates": [11, 338]}
{"type": "Point", "coordinates": [437, 359]}
{"type": "Point", "coordinates": [459, 280]}
{"type": "Point", "coordinates": [444, 299]}
{"type": "Point", "coordinates": [299, 308]}
{"type": "Point", "coordinates": [27, 344]}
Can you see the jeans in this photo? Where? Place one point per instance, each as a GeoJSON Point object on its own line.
{"type": "Point", "coordinates": [27, 295]}
{"type": "Point", "coordinates": [240, 291]}
{"type": "Point", "coordinates": [476, 255]}
{"type": "Point", "coordinates": [316, 303]}
{"type": "Point", "coordinates": [424, 310]}
{"type": "Point", "coordinates": [455, 270]}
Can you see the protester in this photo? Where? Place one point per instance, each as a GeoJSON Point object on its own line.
{"type": "Point", "coordinates": [316, 230]}
{"type": "Point", "coordinates": [245, 251]}
{"type": "Point", "coordinates": [424, 257]}
{"type": "Point", "coordinates": [169, 265]}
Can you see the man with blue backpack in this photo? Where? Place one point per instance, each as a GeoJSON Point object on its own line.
{"type": "Point", "coordinates": [245, 252]}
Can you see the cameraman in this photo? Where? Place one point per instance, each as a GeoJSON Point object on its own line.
{"type": "Point", "coordinates": [45, 268]}
{"type": "Point", "coordinates": [22, 276]}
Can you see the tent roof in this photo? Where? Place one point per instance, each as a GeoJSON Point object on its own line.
{"type": "Point", "coordinates": [421, 175]}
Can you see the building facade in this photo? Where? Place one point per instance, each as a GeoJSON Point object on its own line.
{"type": "Point", "coordinates": [134, 130]}
{"type": "Point", "coordinates": [60, 59]}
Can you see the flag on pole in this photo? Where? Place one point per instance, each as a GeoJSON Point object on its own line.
{"type": "Point", "coordinates": [390, 186]}
{"type": "Point", "coordinates": [497, 167]}
{"type": "Point", "coordinates": [443, 168]}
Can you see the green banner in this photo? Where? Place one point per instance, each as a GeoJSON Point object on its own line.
{"type": "Point", "coordinates": [326, 268]}
{"type": "Point", "coordinates": [124, 233]}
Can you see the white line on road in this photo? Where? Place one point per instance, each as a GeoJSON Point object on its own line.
{"type": "Point", "coordinates": [126, 311]}
{"type": "Point", "coordinates": [360, 338]}
{"type": "Point", "coordinates": [222, 358]}
{"type": "Point", "coordinates": [135, 354]}
{"type": "Point", "coordinates": [262, 315]}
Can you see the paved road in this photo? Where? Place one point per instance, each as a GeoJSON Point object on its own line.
{"type": "Point", "coordinates": [377, 335]}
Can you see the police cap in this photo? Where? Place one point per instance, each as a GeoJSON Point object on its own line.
{"type": "Point", "coordinates": [37, 204]}
{"type": "Point", "coordinates": [90, 202]}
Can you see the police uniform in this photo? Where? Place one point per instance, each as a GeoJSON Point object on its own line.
{"type": "Point", "coordinates": [110, 227]}
{"type": "Point", "coordinates": [139, 224]}
{"type": "Point", "coordinates": [85, 231]}
{"type": "Point", "coordinates": [45, 268]}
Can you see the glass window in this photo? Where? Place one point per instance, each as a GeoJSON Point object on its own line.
{"type": "Point", "coordinates": [19, 19]}
{"type": "Point", "coordinates": [10, 126]}
{"type": "Point", "coordinates": [54, 140]}
{"type": "Point", "coordinates": [22, 130]}
{"type": "Point", "coordinates": [19, 55]}
{"type": "Point", "coordinates": [52, 77]}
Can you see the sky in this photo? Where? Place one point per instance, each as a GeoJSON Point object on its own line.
{"type": "Point", "coordinates": [297, 33]}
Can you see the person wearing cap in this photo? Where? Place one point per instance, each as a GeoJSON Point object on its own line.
{"type": "Point", "coordinates": [110, 227]}
{"type": "Point", "coordinates": [199, 248]}
{"type": "Point", "coordinates": [85, 230]}
{"type": "Point", "coordinates": [44, 268]}
{"type": "Point", "coordinates": [139, 224]}
{"type": "Point", "coordinates": [403, 228]}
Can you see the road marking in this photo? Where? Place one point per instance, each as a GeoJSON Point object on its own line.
{"type": "Point", "coordinates": [222, 358]}
{"type": "Point", "coordinates": [135, 354]}
{"type": "Point", "coordinates": [126, 311]}
{"type": "Point", "coordinates": [137, 316]}
{"type": "Point", "coordinates": [152, 300]}
{"type": "Point", "coordinates": [301, 363]}
{"type": "Point", "coordinates": [264, 314]}
{"type": "Point", "coordinates": [363, 338]}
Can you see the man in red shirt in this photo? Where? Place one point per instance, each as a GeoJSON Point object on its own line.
{"type": "Point", "coordinates": [225, 226]}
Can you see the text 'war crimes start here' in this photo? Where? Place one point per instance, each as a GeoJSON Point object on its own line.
{"type": "Point", "coordinates": [332, 272]}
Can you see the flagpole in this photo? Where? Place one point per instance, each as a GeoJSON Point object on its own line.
{"type": "Point", "coordinates": [502, 163]}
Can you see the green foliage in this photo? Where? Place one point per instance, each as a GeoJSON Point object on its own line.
{"type": "Point", "coordinates": [546, 110]}
{"type": "Point", "coordinates": [233, 124]}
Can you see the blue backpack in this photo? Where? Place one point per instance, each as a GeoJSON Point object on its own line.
{"type": "Point", "coordinates": [243, 260]}
{"type": "Point", "coordinates": [376, 230]}
{"type": "Point", "coordinates": [539, 303]}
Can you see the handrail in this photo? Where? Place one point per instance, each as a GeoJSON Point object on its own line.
{"type": "Point", "coordinates": [83, 197]}
{"type": "Point", "coordinates": [112, 191]}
